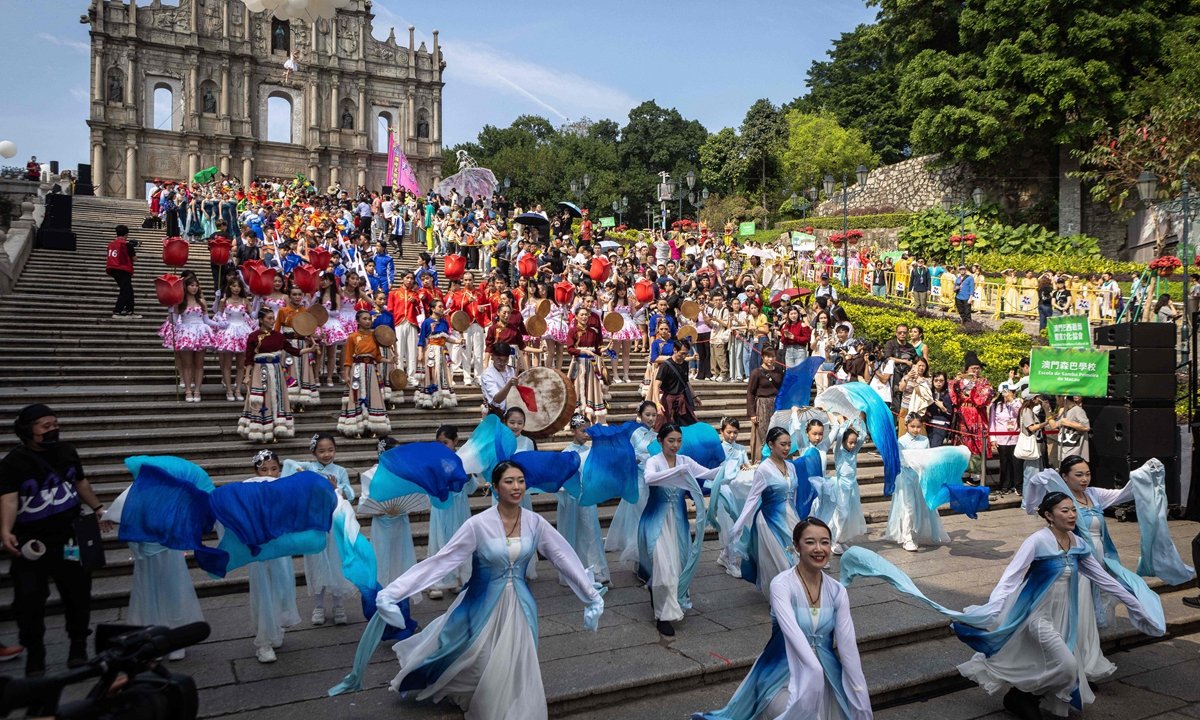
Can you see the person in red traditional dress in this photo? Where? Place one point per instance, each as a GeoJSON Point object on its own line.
{"type": "Point", "coordinates": [972, 393]}
{"type": "Point", "coordinates": [584, 342]}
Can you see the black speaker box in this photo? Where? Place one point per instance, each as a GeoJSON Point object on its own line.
{"type": "Point", "coordinates": [51, 239]}
{"type": "Point", "coordinates": [1141, 360]}
{"type": "Point", "coordinates": [54, 166]}
{"type": "Point", "coordinates": [1118, 431]}
{"type": "Point", "coordinates": [84, 189]}
{"type": "Point", "coordinates": [83, 174]}
{"type": "Point", "coordinates": [1138, 335]}
{"type": "Point", "coordinates": [58, 212]}
{"type": "Point", "coordinates": [387, 189]}
{"type": "Point", "coordinates": [1142, 386]}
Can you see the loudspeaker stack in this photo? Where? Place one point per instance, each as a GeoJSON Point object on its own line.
{"type": "Point", "coordinates": [1136, 421]}
{"type": "Point", "coordinates": [55, 231]}
{"type": "Point", "coordinates": [83, 180]}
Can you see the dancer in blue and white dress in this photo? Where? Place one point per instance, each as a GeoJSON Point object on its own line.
{"type": "Point", "coordinates": [668, 553]}
{"type": "Point", "coordinates": [1146, 487]}
{"type": "Point", "coordinates": [272, 582]}
{"type": "Point", "coordinates": [910, 519]}
{"type": "Point", "coordinates": [391, 531]}
{"type": "Point", "coordinates": [580, 524]}
{"type": "Point", "coordinates": [847, 521]}
{"type": "Point", "coordinates": [727, 494]}
{"type": "Point", "coordinates": [799, 674]}
{"type": "Point", "coordinates": [482, 653]}
{"type": "Point", "coordinates": [444, 522]}
{"type": "Point", "coordinates": [770, 514]}
{"type": "Point", "coordinates": [323, 571]}
{"type": "Point", "coordinates": [623, 529]}
{"type": "Point", "coordinates": [161, 592]}
{"type": "Point", "coordinates": [1036, 635]}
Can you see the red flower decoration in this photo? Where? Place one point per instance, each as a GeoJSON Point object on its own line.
{"type": "Point", "coordinates": [600, 270]}
{"type": "Point", "coordinates": [169, 289]}
{"type": "Point", "coordinates": [527, 266]}
{"type": "Point", "coordinates": [318, 257]}
{"type": "Point", "coordinates": [456, 265]}
{"type": "Point", "coordinates": [643, 290]}
{"type": "Point", "coordinates": [260, 279]}
{"type": "Point", "coordinates": [218, 250]}
{"type": "Point", "coordinates": [307, 278]}
{"type": "Point", "coordinates": [564, 293]}
{"type": "Point", "coordinates": [175, 252]}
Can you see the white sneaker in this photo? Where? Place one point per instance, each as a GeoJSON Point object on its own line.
{"type": "Point", "coordinates": [910, 546]}
{"type": "Point", "coordinates": [265, 655]}
{"type": "Point", "coordinates": [841, 548]}
{"type": "Point", "coordinates": [435, 594]}
{"type": "Point", "coordinates": [339, 616]}
{"type": "Point", "coordinates": [318, 617]}
{"type": "Point", "coordinates": [177, 655]}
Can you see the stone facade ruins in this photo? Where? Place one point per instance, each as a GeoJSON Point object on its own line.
{"type": "Point", "coordinates": [223, 65]}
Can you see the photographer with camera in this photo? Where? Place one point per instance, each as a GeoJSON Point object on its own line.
{"type": "Point", "coordinates": [42, 490]}
{"type": "Point", "coordinates": [122, 252]}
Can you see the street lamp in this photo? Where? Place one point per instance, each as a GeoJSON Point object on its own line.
{"type": "Point", "coordinates": [962, 211]}
{"type": "Point", "coordinates": [507, 182]}
{"type": "Point", "coordinates": [860, 174]}
{"type": "Point", "coordinates": [619, 208]}
{"type": "Point", "coordinates": [1147, 185]}
{"type": "Point", "coordinates": [649, 216]}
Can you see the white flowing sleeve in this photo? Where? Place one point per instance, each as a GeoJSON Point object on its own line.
{"type": "Point", "coordinates": [810, 685]}
{"type": "Point", "coordinates": [854, 683]}
{"type": "Point", "coordinates": [1106, 498]}
{"type": "Point", "coordinates": [425, 573]}
{"type": "Point", "coordinates": [751, 505]}
{"type": "Point", "coordinates": [555, 548]}
{"type": "Point", "coordinates": [1147, 620]}
{"type": "Point", "coordinates": [680, 476]}
{"type": "Point", "coordinates": [1013, 577]}
{"type": "Point", "coordinates": [698, 471]}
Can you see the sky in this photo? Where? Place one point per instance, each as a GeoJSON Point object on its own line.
{"type": "Point", "coordinates": [563, 61]}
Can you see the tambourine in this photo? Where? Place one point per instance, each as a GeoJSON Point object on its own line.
{"type": "Point", "coordinates": [305, 323]}
{"type": "Point", "coordinates": [543, 309]}
{"type": "Point", "coordinates": [460, 320]}
{"type": "Point", "coordinates": [690, 309]}
{"type": "Point", "coordinates": [398, 379]}
{"type": "Point", "coordinates": [535, 326]}
{"type": "Point", "coordinates": [687, 332]}
{"type": "Point", "coordinates": [320, 313]}
{"type": "Point", "coordinates": [385, 336]}
{"type": "Point", "coordinates": [613, 322]}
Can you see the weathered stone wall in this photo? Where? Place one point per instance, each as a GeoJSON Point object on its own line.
{"type": "Point", "coordinates": [216, 58]}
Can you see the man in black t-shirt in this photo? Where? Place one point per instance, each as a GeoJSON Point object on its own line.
{"type": "Point", "coordinates": [42, 493]}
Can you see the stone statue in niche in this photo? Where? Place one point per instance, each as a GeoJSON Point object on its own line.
{"type": "Point", "coordinates": [210, 101]}
{"type": "Point", "coordinates": [279, 36]}
{"type": "Point", "coordinates": [116, 93]}
{"type": "Point", "coordinates": [347, 119]}
{"type": "Point", "coordinates": [423, 124]}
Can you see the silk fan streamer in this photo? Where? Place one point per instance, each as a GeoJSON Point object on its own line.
{"type": "Point", "coordinates": [940, 472]}
{"type": "Point", "coordinates": [701, 442]}
{"type": "Point", "coordinates": [430, 468]}
{"type": "Point", "coordinates": [491, 444]}
{"type": "Point", "coordinates": [549, 472]}
{"type": "Point", "coordinates": [169, 504]}
{"type": "Point", "coordinates": [796, 389]}
{"type": "Point", "coordinates": [611, 467]}
{"type": "Point", "coordinates": [850, 399]}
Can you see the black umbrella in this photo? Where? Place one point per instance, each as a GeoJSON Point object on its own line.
{"type": "Point", "coordinates": [571, 208]}
{"type": "Point", "coordinates": [534, 220]}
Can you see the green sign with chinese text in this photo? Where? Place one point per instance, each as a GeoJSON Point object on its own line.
{"type": "Point", "coordinates": [1068, 371]}
{"type": "Point", "coordinates": [746, 228]}
{"type": "Point", "coordinates": [1069, 331]}
{"type": "Point", "coordinates": [608, 222]}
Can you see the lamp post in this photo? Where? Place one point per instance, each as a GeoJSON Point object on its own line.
{"type": "Point", "coordinates": [1147, 185]}
{"type": "Point", "coordinates": [962, 211]}
{"type": "Point", "coordinates": [860, 174]}
{"type": "Point", "coordinates": [698, 202]}
{"type": "Point", "coordinates": [649, 215]}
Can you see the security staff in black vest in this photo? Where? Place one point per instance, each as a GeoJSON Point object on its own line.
{"type": "Point", "coordinates": [42, 493]}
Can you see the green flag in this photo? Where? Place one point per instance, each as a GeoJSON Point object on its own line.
{"type": "Point", "coordinates": [1068, 371]}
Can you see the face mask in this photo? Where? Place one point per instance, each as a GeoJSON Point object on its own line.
{"type": "Point", "coordinates": [49, 438]}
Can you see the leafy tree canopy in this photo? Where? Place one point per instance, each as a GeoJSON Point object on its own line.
{"type": "Point", "coordinates": [817, 146]}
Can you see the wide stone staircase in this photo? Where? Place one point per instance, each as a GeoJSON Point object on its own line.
{"type": "Point", "coordinates": [114, 389]}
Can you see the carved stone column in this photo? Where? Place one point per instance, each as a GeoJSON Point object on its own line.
{"type": "Point", "coordinates": [131, 192]}
{"type": "Point", "coordinates": [335, 118]}
{"type": "Point", "coordinates": [224, 98]}
{"type": "Point", "coordinates": [98, 170]}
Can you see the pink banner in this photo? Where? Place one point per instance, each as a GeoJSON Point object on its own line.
{"type": "Point", "coordinates": [399, 173]}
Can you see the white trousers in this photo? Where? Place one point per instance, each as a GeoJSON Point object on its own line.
{"type": "Point", "coordinates": [468, 357]}
{"type": "Point", "coordinates": [406, 348]}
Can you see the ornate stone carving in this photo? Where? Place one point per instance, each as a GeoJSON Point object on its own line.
{"type": "Point", "coordinates": [210, 101]}
{"type": "Point", "coordinates": [301, 35]}
{"type": "Point", "coordinates": [347, 36]}
{"type": "Point", "coordinates": [116, 93]}
{"type": "Point", "coordinates": [212, 17]}
{"type": "Point", "coordinates": [347, 119]}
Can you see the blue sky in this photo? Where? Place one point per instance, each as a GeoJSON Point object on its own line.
{"type": "Point", "coordinates": [710, 60]}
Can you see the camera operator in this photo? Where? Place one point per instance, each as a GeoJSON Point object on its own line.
{"type": "Point", "coordinates": [41, 490]}
{"type": "Point", "coordinates": [879, 371]}
{"type": "Point", "coordinates": [902, 353]}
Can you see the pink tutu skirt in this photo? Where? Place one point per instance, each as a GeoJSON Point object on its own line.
{"type": "Point", "coordinates": [232, 339]}
{"type": "Point", "coordinates": [332, 332]}
{"type": "Point", "coordinates": [193, 337]}
{"type": "Point", "coordinates": [164, 331]}
{"type": "Point", "coordinates": [349, 324]}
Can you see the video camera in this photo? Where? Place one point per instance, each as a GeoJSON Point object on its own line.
{"type": "Point", "coordinates": [132, 685]}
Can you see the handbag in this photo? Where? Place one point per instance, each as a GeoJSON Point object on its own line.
{"type": "Point", "coordinates": [1027, 448]}
{"type": "Point", "coordinates": [86, 529]}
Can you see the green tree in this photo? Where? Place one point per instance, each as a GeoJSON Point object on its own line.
{"type": "Point", "coordinates": [1024, 74]}
{"type": "Point", "coordinates": [722, 162]}
{"type": "Point", "coordinates": [763, 132]}
{"type": "Point", "coordinates": [817, 145]}
{"type": "Point", "coordinates": [860, 85]}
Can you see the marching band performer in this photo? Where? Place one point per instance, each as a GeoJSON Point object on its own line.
{"type": "Point", "coordinates": [404, 303]}
{"type": "Point", "coordinates": [470, 353]}
{"type": "Point", "coordinates": [267, 414]}
{"type": "Point", "coordinates": [301, 378]}
{"type": "Point", "coordinates": [437, 390]}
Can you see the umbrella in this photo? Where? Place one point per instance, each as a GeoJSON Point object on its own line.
{"type": "Point", "coordinates": [608, 244]}
{"type": "Point", "coordinates": [571, 208]}
{"type": "Point", "coordinates": [473, 181]}
{"type": "Point", "coordinates": [779, 296]}
{"type": "Point", "coordinates": [535, 220]}
{"type": "Point", "coordinates": [764, 253]}
{"type": "Point", "coordinates": [205, 175]}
